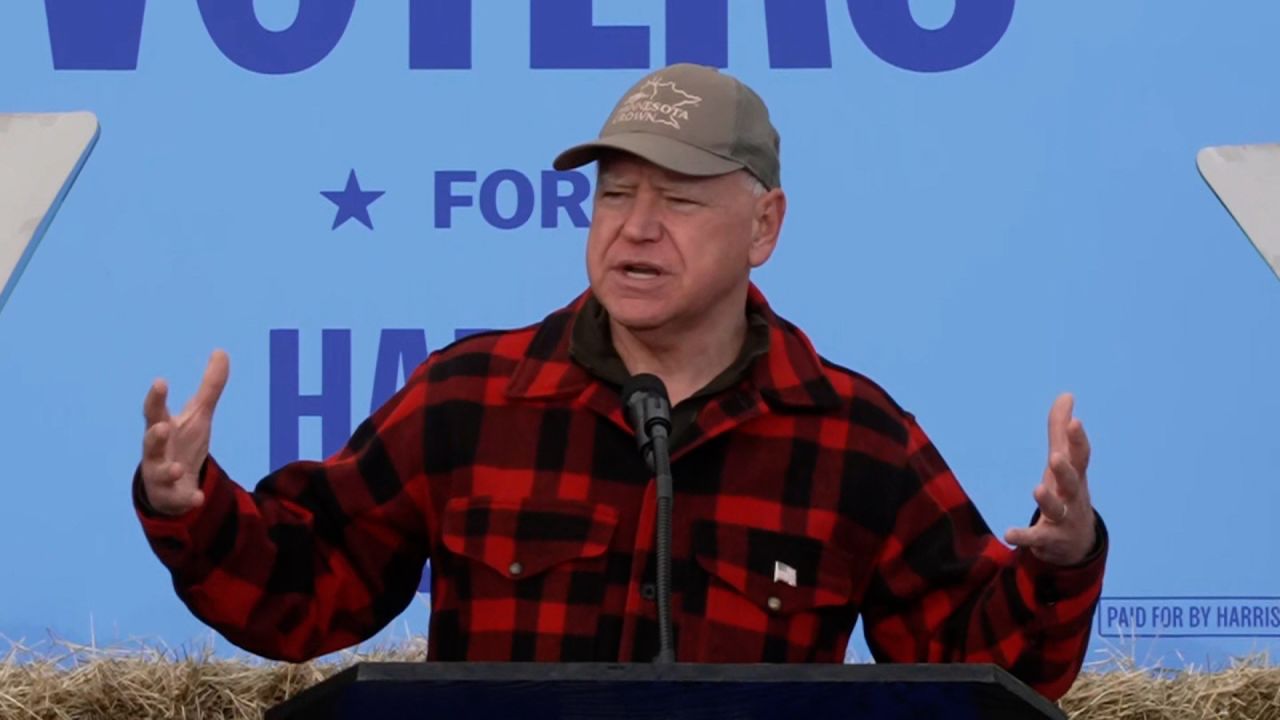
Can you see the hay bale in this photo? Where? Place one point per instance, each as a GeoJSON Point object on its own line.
{"type": "Point", "coordinates": [70, 682]}
{"type": "Point", "coordinates": [149, 683]}
{"type": "Point", "coordinates": [1248, 689]}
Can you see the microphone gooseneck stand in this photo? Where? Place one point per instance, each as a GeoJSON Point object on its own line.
{"type": "Point", "coordinates": [649, 413]}
{"type": "Point", "coordinates": [659, 459]}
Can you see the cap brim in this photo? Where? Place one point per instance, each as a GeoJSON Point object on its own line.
{"type": "Point", "coordinates": [666, 152]}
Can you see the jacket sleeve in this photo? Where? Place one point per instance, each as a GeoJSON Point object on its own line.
{"type": "Point", "coordinates": [321, 555]}
{"type": "Point", "coordinates": [945, 589]}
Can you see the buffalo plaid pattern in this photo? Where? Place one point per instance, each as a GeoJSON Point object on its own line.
{"type": "Point", "coordinates": [805, 498]}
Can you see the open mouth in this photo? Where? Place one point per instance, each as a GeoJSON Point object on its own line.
{"type": "Point", "coordinates": [641, 271]}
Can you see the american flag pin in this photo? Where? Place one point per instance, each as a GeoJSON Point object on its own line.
{"type": "Point", "coordinates": [784, 573]}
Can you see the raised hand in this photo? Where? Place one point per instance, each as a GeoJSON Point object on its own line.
{"type": "Point", "coordinates": [175, 448]}
{"type": "Point", "coordinates": [1065, 531]}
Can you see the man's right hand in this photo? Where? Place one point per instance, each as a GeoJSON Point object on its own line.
{"type": "Point", "coordinates": [174, 448]}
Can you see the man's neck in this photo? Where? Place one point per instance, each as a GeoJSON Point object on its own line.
{"type": "Point", "coordinates": [686, 361]}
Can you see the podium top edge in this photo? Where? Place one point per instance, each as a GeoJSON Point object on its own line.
{"type": "Point", "coordinates": [678, 672]}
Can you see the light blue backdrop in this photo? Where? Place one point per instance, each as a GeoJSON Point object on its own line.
{"type": "Point", "coordinates": [976, 240]}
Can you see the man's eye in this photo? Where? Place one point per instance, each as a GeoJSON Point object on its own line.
{"type": "Point", "coordinates": [682, 201]}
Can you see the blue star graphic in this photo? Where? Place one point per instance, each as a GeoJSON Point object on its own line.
{"type": "Point", "coordinates": [352, 202]}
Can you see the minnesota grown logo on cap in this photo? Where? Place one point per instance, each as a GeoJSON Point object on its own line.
{"type": "Point", "coordinates": [723, 127]}
{"type": "Point", "coordinates": [657, 102]}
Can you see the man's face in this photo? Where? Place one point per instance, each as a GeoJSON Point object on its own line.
{"type": "Point", "coordinates": [665, 251]}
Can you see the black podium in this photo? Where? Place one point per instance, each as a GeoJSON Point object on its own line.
{"type": "Point", "coordinates": [478, 691]}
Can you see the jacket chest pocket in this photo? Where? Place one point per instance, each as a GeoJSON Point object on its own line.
{"type": "Point", "coordinates": [771, 597]}
{"type": "Point", "coordinates": [528, 567]}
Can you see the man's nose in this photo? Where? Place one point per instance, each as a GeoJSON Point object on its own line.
{"type": "Point", "coordinates": [644, 220]}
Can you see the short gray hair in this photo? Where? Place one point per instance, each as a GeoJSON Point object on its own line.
{"type": "Point", "coordinates": [756, 187]}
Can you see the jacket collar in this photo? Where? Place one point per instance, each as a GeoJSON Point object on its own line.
{"type": "Point", "coordinates": [789, 375]}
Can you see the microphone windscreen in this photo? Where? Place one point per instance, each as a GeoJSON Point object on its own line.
{"type": "Point", "coordinates": [646, 384]}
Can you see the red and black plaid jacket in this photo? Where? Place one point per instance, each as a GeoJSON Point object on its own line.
{"type": "Point", "coordinates": [805, 497]}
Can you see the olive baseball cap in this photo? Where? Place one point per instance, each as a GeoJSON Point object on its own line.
{"type": "Point", "coordinates": [690, 119]}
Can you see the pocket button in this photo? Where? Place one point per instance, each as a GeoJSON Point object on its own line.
{"type": "Point", "coordinates": [516, 569]}
{"type": "Point", "coordinates": [774, 604]}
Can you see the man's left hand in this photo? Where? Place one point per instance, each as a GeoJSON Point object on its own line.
{"type": "Point", "coordinates": [1065, 533]}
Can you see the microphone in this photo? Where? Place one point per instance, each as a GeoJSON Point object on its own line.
{"type": "Point", "coordinates": [648, 411]}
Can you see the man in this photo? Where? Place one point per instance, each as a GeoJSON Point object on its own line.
{"type": "Point", "coordinates": [805, 496]}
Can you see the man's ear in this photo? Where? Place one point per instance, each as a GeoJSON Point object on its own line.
{"type": "Point", "coordinates": [770, 210]}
